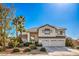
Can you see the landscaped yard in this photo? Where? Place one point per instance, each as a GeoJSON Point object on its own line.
{"type": "Point", "coordinates": [15, 39]}
{"type": "Point", "coordinates": [32, 52]}
{"type": "Point", "coordinates": [54, 51]}
{"type": "Point", "coordinates": [27, 48]}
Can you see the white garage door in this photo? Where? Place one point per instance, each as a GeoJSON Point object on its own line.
{"type": "Point", "coordinates": [56, 43]}
{"type": "Point", "coordinates": [45, 42]}
{"type": "Point", "coordinates": [52, 42]}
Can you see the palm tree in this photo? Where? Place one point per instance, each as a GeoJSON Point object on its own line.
{"type": "Point", "coordinates": [18, 22]}
{"type": "Point", "coordinates": [15, 23]}
{"type": "Point", "coordinates": [21, 24]}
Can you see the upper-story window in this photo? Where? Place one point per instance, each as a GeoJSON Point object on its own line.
{"type": "Point", "coordinates": [47, 31]}
{"type": "Point", "coordinates": [61, 32]}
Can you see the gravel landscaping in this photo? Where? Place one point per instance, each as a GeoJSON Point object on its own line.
{"type": "Point", "coordinates": [32, 52]}
{"type": "Point", "coordinates": [51, 51]}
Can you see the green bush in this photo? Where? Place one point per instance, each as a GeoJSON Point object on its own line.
{"type": "Point", "coordinates": [43, 49]}
{"type": "Point", "coordinates": [36, 43]}
{"type": "Point", "coordinates": [21, 45]}
{"type": "Point", "coordinates": [33, 47]}
{"type": "Point", "coordinates": [18, 39]}
{"type": "Point", "coordinates": [1, 49]}
{"type": "Point", "coordinates": [15, 50]}
{"type": "Point", "coordinates": [0, 44]}
{"type": "Point", "coordinates": [27, 50]}
{"type": "Point", "coordinates": [10, 45]}
{"type": "Point", "coordinates": [69, 42]}
{"type": "Point", "coordinates": [39, 45]}
{"type": "Point", "coordinates": [27, 44]}
{"type": "Point", "coordinates": [77, 47]}
{"type": "Point", "coordinates": [30, 42]}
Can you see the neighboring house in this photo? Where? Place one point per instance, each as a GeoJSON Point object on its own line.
{"type": "Point", "coordinates": [48, 35]}
{"type": "Point", "coordinates": [76, 43]}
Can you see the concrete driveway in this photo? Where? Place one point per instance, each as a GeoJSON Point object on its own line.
{"type": "Point", "coordinates": [62, 51]}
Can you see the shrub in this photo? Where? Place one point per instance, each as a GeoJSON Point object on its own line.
{"type": "Point", "coordinates": [43, 49]}
{"type": "Point", "coordinates": [20, 40]}
{"type": "Point", "coordinates": [0, 44]}
{"type": "Point", "coordinates": [69, 42]}
{"type": "Point", "coordinates": [10, 45]}
{"type": "Point", "coordinates": [39, 45]}
{"type": "Point", "coordinates": [27, 44]}
{"type": "Point", "coordinates": [30, 42]}
{"type": "Point", "coordinates": [27, 50]}
{"type": "Point", "coordinates": [20, 45]}
{"type": "Point", "coordinates": [15, 50]}
{"type": "Point", "coordinates": [16, 43]}
{"type": "Point", "coordinates": [33, 47]}
{"type": "Point", "coordinates": [77, 47]}
{"type": "Point", "coordinates": [36, 43]}
{"type": "Point", "coordinates": [1, 49]}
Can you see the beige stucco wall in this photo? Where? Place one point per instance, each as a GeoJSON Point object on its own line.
{"type": "Point", "coordinates": [34, 36]}
{"type": "Point", "coordinates": [52, 34]}
{"type": "Point", "coordinates": [58, 32]}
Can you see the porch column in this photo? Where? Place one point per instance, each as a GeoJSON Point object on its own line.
{"type": "Point", "coordinates": [28, 36]}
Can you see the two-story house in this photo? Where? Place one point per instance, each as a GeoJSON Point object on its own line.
{"type": "Point", "coordinates": [48, 35]}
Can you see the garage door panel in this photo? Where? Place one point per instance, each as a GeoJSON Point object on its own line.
{"type": "Point", "coordinates": [57, 43]}
{"type": "Point", "coordinates": [52, 42]}
{"type": "Point", "coordinates": [45, 42]}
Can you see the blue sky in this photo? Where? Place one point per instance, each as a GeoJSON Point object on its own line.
{"type": "Point", "coordinates": [57, 14]}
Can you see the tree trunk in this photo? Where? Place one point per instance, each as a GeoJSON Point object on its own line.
{"type": "Point", "coordinates": [4, 38]}
{"type": "Point", "coordinates": [21, 33]}
{"type": "Point", "coordinates": [16, 32]}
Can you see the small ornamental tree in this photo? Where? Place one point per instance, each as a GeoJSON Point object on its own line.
{"type": "Point", "coordinates": [69, 42]}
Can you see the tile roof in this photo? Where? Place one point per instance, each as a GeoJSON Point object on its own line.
{"type": "Point", "coordinates": [33, 29]}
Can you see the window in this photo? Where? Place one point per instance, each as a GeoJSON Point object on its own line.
{"type": "Point", "coordinates": [0, 23]}
{"type": "Point", "coordinates": [47, 31]}
{"type": "Point", "coordinates": [61, 32]}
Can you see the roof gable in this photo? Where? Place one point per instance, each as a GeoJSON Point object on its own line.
{"type": "Point", "coordinates": [47, 25]}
